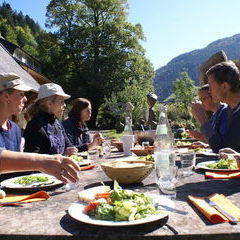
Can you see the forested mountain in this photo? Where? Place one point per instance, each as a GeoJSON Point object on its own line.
{"type": "Point", "coordinates": [190, 62]}
{"type": "Point", "coordinates": [94, 52]}
{"type": "Point", "coordinates": [20, 29]}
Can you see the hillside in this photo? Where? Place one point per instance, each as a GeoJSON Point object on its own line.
{"type": "Point", "coordinates": [190, 62]}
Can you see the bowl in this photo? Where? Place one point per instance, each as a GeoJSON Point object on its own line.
{"type": "Point", "coordinates": [143, 151]}
{"type": "Point", "coordinates": [117, 144]}
{"type": "Point", "coordinates": [144, 136]}
{"type": "Point", "coordinates": [127, 171]}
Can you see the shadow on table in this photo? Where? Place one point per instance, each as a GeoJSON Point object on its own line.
{"type": "Point", "coordinates": [78, 228]}
{"type": "Point", "coordinates": [202, 189]}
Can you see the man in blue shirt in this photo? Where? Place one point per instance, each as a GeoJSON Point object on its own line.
{"type": "Point", "coordinates": [224, 86]}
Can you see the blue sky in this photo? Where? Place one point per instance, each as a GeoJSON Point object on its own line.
{"type": "Point", "coordinates": [171, 27]}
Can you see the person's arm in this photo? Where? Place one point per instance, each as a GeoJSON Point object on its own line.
{"type": "Point", "coordinates": [230, 137]}
{"type": "Point", "coordinates": [61, 167]}
{"type": "Point", "coordinates": [36, 139]}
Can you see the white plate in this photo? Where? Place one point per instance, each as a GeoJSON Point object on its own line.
{"type": "Point", "coordinates": [76, 211]}
{"type": "Point", "coordinates": [84, 162]}
{"type": "Point", "coordinates": [9, 183]}
{"type": "Point", "coordinates": [203, 165]}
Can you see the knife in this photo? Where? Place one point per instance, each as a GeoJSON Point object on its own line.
{"type": "Point", "coordinates": [222, 211]}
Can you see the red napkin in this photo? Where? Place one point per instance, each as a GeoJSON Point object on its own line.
{"type": "Point", "coordinates": [210, 212]}
{"type": "Point", "coordinates": [35, 197]}
{"type": "Point", "coordinates": [223, 174]}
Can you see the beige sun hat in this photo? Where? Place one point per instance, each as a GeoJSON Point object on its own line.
{"type": "Point", "coordinates": [13, 81]}
{"type": "Point", "coordinates": [51, 89]}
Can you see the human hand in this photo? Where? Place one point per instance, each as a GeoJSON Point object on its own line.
{"type": "Point", "coordinates": [226, 152]}
{"type": "Point", "coordinates": [199, 112]}
{"type": "Point", "coordinates": [97, 139]}
{"type": "Point", "coordinates": [70, 151]}
{"type": "Point", "coordinates": [63, 168]}
{"type": "Point", "coordinates": [197, 135]}
{"type": "Point", "coordinates": [199, 144]}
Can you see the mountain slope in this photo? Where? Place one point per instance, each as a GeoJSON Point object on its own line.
{"type": "Point", "coordinates": [190, 62]}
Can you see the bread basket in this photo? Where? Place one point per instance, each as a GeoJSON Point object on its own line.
{"type": "Point", "coordinates": [127, 171]}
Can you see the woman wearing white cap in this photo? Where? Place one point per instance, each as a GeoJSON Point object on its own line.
{"type": "Point", "coordinates": [12, 100]}
{"type": "Point", "coordinates": [44, 132]}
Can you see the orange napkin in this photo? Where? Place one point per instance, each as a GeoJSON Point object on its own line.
{"type": "Point", "coordinates": [35, 197]}
{"type": "Point", "coordinates": [223, 175]}
{"type": "Point", "coordinates": [87, 167]}
{"type": "Point", "coordinates": [210, 212]}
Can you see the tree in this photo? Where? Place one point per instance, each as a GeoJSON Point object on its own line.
{"type": "Point", "coordinates": [184, 90]}
{"type": "Point", "coordinates": [99, 49]}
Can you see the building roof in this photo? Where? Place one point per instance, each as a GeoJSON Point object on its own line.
{"type": "Point", "coordinates": [8, 64]}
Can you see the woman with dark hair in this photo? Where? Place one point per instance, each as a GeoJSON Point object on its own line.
{"type": "Point", "coordinates": [76, 128]}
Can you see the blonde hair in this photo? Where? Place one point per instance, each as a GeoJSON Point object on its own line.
{"type": "Point", "coordinates": [40, 105]}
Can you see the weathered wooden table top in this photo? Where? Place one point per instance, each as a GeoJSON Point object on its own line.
{"type": "Point", "coordinates": [50, 220]}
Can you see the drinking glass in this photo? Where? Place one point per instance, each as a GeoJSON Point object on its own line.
{"type": "Point", "coordinates": [145, 144]}
{"type": "Point", "coordinates": [106, 146]}
{"type": "Point", "coordinates": [166, 172]}
{"type": "Point", "coordinates": [167, 182]}
{"type": "Point", "coordinates": [188, 161]}
{"type": "Point", "coordinates": [93, 154]}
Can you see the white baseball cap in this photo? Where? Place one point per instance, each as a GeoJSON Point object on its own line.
{"type": "Point", "coordinates": [51, 89]}
{"type": "Point", "coordinates": [13, 81]}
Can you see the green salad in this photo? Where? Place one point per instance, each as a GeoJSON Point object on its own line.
{"type": "Point", "coordinates": [121, 205]}
{"type": "Point", "coordinates": [199, 149]}
{"type": "Point", "coordinates": [182, 143]}
{"type": "Point", "coordinates": [224, 164]}
{"type": "Point", "coordinates": [31, 179]}
{"type": "Point", "coordinates": [147, 158]}
{"type": "Point", "coordinates": [77, 158]}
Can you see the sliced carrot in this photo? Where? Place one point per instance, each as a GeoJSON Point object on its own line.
{"type": "Point", "coordinates": [102, 195]}
{"type": "Point", "coordinates": [87, 167]}
{"type": "Point", "coordinates": [90, 207]}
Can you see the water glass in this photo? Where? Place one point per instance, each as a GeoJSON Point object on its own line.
{"type": "Point", "coordinates": [167, 182]}
{"type": "Point", "coordinates": [188, 161]}
{"type": "Point", "coordinates": [145, 144]}
{"type": "Point", "coordinates": [166, 172]}
{"type": "Point", "coordinates": [93, 154]}
{"type": "Point", "coordinates": [106, 146]}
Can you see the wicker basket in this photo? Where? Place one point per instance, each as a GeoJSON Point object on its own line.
{"type": "Point", "coordinates": [127, 174]}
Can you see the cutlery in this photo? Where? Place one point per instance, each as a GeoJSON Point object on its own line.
{"type": "Point", "coordinates": [171, 209]}
{"type": "Point", "coordinates": [226, 214]}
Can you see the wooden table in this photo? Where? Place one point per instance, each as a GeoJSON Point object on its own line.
{"type": "Point", "coordinates": [50, 220]}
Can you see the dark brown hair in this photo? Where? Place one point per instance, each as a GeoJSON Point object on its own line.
{"type": "Point", "coordinates": [78, 105]}
{"type": "Point", "coordinates": [226, 72]}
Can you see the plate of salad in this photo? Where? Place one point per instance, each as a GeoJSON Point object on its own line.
{"type": "Point", "coordinates": [219, 165]}
{"type": "Point", "coordinates": [120, 207]}
{"type": "Point", "coordinates": [33, 181]}
{"type": "Point", "coordinates": [80, 161]}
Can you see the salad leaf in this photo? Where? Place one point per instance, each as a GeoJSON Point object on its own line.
{"type": "Point", "coordinates": [224, 164]}
{"type": "Point", "coordinates": [125, 205]}
{"type": "Point", "coordinates": [76, 158]}
{"type": "Point", "coordinates": [31, 179]}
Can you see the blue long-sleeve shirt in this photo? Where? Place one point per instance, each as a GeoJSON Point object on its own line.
{"type": "Point", "coordinates": [10, 139]}
{"type": "Point", "coordinates": [77, 135]}
{"type": "Point", "coordinates": [226, 132]}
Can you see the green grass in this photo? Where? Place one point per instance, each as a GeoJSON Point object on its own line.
{"type": "Point", "coordinates": [112, 134]}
